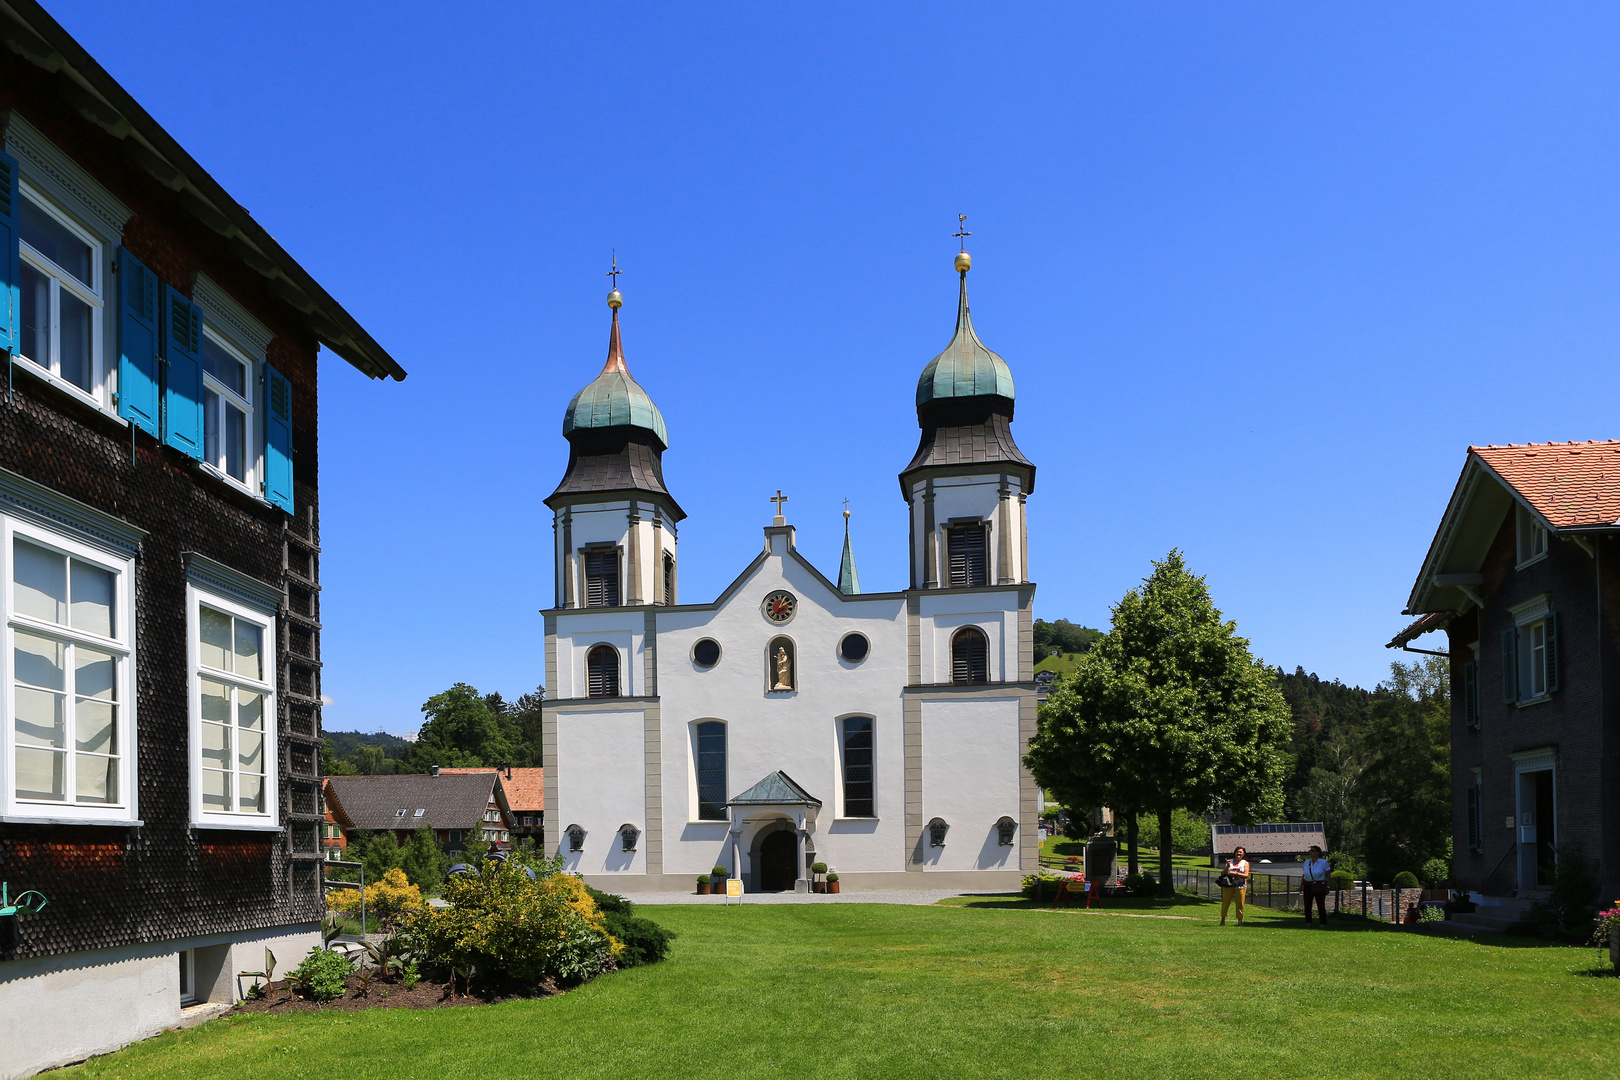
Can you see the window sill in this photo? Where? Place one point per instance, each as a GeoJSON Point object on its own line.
{"type": "Point", "coordinates": [79, 394]}
{"type": "Point", "coordinates": [1530, 561]}
{"type": "Point", "coordinates": [838, 819]}
{"type": "Point", "coordinates": [106, 823]}
{"type": "Point", "coordinates": [238, 486]}
{"type": "Point", "coordinates": [238, 826]}
{"type": "Point", "coordinates": [1527, 702]}
{"type": "Point", "coordinates": [710, 821]}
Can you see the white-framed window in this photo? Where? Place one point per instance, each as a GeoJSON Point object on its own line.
{"type": "Point", "coordinates": [1531, 536]}
{"type": "Point", "coordinates": [69, 732]}
{"type": "Point", "coordinates": [231, 446]}
{"type": "Point", "coordinates": [233, 711]}
{"type": "Point", "coordinates": [188, 976]}
{"type": "Point", "coordinates": [62, 289]}
{"type": "Point", "coordinates": [1530, 662]}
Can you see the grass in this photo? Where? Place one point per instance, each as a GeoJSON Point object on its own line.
{"type": "Point", "coordinates": [983, 988]}
{"type": "Point", "coordinates": [1061, 846]}
{"type": "Point", "coordinates": [1062, 663]}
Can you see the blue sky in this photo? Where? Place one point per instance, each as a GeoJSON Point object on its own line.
{"type": "Point", "coordinates": [1261, 272]}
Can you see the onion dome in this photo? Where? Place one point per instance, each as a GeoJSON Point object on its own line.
{"type": "Point", "coordinates": [966, 368]}
{"type": "Point", "coordinates": [613, 398]}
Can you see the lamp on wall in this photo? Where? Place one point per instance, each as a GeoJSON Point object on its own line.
{"type": "Point", "coordinates": [576, 838]}
{"type": "Point", "coordinates": [628, 833]}
{"type": "Point", "coordinates": [1005, 829]}
{"type": "Point", "coordinates": [936, 832]}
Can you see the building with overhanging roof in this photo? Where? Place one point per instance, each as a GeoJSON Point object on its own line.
{"type": "Point", "coordinates": [1522, 576]}
{"type": "Point", "coordinates": [792, 720]}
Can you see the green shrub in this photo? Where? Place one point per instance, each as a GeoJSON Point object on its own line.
{"type": "Point", "coordinates": [1141, 884]}
{"type": "Point", "coordinates": [1435, 873]}
{"type": "Point", "coordinates": [1572, 907]}
{"type": "Point", "coordinates": [324, 974]}
{"type": "Point", "coordinates": [1406, 880]}
{"type": "Point", "coordinates": [703, 879]}
{"type": "Point", "coordinates": [610, 902]}
{"type": "Point", "coordinates": [818, 868]}
{"type": "Point", "coordinates": [1341, 879]}
{"type": "Point", "coordinates": [644, 941]}
{"type": "Point", "coordinates": [1340, 860]}
{"type": "Point", "coordinates": [1047, 886]}
{"type": "Point", "coordinates": [832, 877]}
{"type": "Point", "coordinates": [1428, 913]}
{"type": "Point", "coordinates": [720, 872]}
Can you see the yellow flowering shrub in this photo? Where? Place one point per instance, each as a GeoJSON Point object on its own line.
{"type": "Point", "coordinates": [386, 900]}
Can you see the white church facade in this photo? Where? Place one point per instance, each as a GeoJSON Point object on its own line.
{"type": "Point", "coordinates": [792, 719]}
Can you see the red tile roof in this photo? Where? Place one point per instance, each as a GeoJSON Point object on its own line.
{"type": "Point", "coordinates": [1570, 484]}
{"type": "Point", "coordinates": [525, 788]}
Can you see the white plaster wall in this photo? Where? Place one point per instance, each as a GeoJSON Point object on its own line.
{"type": "Point", "coordinates": [970, 779]}
{"type": "Point", "coordinates": [609, 523]}
{"type": "Point", "coordinates": [578, 631]}
{"type": "Point", "coordinates": [976, 496]}
{"type": "Point", "coordinates": [940, 615]}
{"type": "Point", "coordinates": [601, 785]}
{"type": "Point", "coordinates": [60, 1009]}
{"type": "Point", "coordinates": [797, 732]}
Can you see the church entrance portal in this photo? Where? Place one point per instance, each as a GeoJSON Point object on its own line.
{"type": "Point", "coordinates": [778, 862]}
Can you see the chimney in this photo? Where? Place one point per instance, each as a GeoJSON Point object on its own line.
{"type": "Point", "coordinates": [435, 770]}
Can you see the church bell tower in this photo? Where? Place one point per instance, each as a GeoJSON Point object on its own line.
{"type": "Point", "coordinates": [967, 484]}
{"type": "Point", "coordinates": [614, 519]}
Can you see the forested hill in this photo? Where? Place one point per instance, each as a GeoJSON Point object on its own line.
{"type": "Point", "coordinates": [349, 752]}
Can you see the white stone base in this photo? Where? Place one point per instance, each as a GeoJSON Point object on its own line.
{"type": "Point", "coordinates": [57, 1010]}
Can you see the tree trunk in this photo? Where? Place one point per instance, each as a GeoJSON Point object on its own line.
{"type": "Point", "coordinates": [1167, 885]}
{"type": "Point", "coordinates": [1130, 839]}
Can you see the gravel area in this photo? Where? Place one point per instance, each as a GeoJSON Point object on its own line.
{"type": "Point", "coordinates": [847, 896]}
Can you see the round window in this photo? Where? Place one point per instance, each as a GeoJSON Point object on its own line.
{"type": "Point", "coordinates": [854, 647]}
{"type": "Point", "coordinates": [706, 653]}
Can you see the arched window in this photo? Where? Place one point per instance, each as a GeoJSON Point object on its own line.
{"type": "Point", "coordinates": [602, 671]}
{"type": "Point", "coordinates": [711, 770]}
{"type": "Point", "coordinates": [970, 656]}
{"type": "Point", "coordinates": [858, 800]}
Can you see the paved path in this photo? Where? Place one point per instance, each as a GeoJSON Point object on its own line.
{"type": "Point", "coordinates": [847, 896]}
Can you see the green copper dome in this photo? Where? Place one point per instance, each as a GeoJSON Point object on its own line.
{"type": "Point", "coordinates": [614, 399]}
{"type": "Point", "coordinates": [966, 368]}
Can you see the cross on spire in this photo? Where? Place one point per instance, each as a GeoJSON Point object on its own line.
{"type": "Point", "coordinates": [615, 272]}
{"type": "Point", "coordinates": [961, 234]}
{"type": "Point", "coordinates": [779, 499]}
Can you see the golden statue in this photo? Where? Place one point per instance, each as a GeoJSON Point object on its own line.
{"type": "Point", "coordinates": [784, 670]}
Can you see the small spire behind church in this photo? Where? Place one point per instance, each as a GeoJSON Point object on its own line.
{"type": "Point", "coordinates": [849, 582]}
{"type": "Point", "coordinates": [615, 300]}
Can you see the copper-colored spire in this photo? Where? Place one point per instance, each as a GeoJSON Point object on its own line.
{"type": "Point", "coordinates": [615, 358]}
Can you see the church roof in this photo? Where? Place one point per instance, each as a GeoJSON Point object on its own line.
{"type": "Point", "coordinates": [777, 789]}
{"type": "Point", "coordinates": [613, 398]}
{"type": "Point", "coordinates": [966, 368]}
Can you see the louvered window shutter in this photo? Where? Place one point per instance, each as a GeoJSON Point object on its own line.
{"type": "Point", "coordinates": [278, 463]}
{"type": "Point", "coordinates": [10, 257]}
{"type": "Point", "coordinates": [969, 659]}
{"type": "Point", "coordinates": [602, 578]}
{"type": "Point", "coordinates": [1473, 817]}
{"type": "Point", "coordinates": [1471, 694]}
{"type": "Point", "coordinates": [1552, 652]}
{"type": "Point", "coordinates": [182, 374]}
{"type": "Point", "coordinates": [602, 672]}
{"type": "Point", "coordinates": [967, 561]}
{"type": "Point", "coordinates": [138, 396]}
{"type": "Point", "coordinates": [1510, 665]}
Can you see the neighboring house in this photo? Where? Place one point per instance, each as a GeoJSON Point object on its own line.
{"type": "Point", "coordinates": [334, 845]}
{"type": "Point", "coordinates": [1523, 576]}
{"type": "Point", "coordinates": [457, 806]}
{"type": "Point", "coordinates": [794, 719]}
{"type": "Point", "coordinates": [1278, 843]}
{"type": "Point", "coordinates": [525, 790]}
{"type": "Point", "coordinates": [159, 548]}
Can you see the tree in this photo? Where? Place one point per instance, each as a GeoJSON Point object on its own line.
{"type": "Point", "coordinates": [1062, 636]}
{"type": "Point", "coordinates": [1406, 788]}
{"type": "Point", "coordinates": [462, 730]}
{"type": "Point", "coordinates": [423, 860]}
{"type": "Point", "coordinates": [1169, 709]}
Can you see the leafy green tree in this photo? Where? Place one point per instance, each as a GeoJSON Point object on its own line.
{"type": "Point", "coordinates": [424, 861]}
{"type": "Point", "coordinates": [377, 852]}
{"type": "Point", "coordinates": [1332, 792]}
{"type": "Point", "coordinates": [1167, 710]}
{"type": "Point", "coordinates": [1189, 832]}
{"type": "Point", "coordinates": [1062, 636]}
{"type": "Point", "coordinates": [463, 729]}
{"type": "Point", "coordinates": [1406, 788]}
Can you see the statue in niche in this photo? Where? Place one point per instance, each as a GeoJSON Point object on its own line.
{"type": "Point", "coordinates": [784, 670]}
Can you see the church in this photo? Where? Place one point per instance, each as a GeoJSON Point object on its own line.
{"type": "Point", "coordinates": [794, 720]}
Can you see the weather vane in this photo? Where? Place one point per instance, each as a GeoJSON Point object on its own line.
{"type": "Point", "coordinates": [614, 273]}
{"type": "Point", "coordinates": [961, 232]}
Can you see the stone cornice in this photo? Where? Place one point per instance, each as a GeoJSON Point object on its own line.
{"type": "Point", "coordinates": [219, 578]}
{"type": "Point", "coordinates": [56, 174]}
{"type": "Point", "coordinates": [53, 510]}
{"type": "Point", "coordinates": [220, 308]}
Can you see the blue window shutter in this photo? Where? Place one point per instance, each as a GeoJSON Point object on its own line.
{"type": "Point", "coordinates": [182, 374]}
{"type": "Point", "coordinates": [10, 260]}
{"type": "Point", "coordinates": [1471, 694]}
{"type": "Point", "coordinates": [137, 344]}
{"type": "Point", "coordinates": [278, 465]}
{"type": "Point", "coordinates": [1552, 652]}
{"type": "Point", "coordinates": [1510, 665]}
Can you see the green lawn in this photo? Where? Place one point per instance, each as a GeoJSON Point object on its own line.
{"type": "Point", "coordinates": [1061, 846]}
{"type": "Point", "coordinates": [981, 989]}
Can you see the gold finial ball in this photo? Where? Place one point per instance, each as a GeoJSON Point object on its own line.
{"type": "Point", "coordinates": [846, 515]}
{"type": "Point", "coordinates": [615, 301]}
{"type": "Point", "coordinates": [964, 262]}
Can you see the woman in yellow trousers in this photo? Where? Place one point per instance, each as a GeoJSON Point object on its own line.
{"type": "Point", "coordinates": [1237, 869]}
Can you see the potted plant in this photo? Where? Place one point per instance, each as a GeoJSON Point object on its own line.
{"type": "Point", "coordinates": [703, 885]}
{"type": "Point", "coordinates": [818, 873]}
{"type": "Point", "coordinates": [1607, 932]}
{"type": "Point", "coordinates": [718, 875]}
{"type": "Point", "coordinates": [832, 883]}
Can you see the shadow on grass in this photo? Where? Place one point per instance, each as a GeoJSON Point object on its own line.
{"type": "Point", "coordinates": [1014, 902]}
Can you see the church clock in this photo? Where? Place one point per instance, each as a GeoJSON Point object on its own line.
{"type": "Point", "coordinates": [779, 606]}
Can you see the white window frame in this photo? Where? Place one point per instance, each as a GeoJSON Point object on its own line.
{"type": "Point", "coordinates": [839, 733]}
{"type": "Point", "coordinates": [125, 810]}
{"type": "Point", "coordinates": [270, 818]}
{"type": "Point", "coordinates": [188, 977]}
{"type": "Point", "coordinates": [252, 466]}
{"type": "Point", "coordinates": [94, 296]}
{"type": "Point", "coordinates": [1530, 622]}
{"type": "Point", "coordinates": [1530, 537]}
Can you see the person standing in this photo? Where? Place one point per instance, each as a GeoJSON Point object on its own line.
{"type": "Point", "coordinates": [1315, 884]}
{"type": "Point", "coordinates": [1237, 872]}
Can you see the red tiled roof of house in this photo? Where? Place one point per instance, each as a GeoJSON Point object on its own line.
{"type": "Point", "coordinates": [1570, 484]}
{"type": "Point", "coordinates": [525, 788]}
